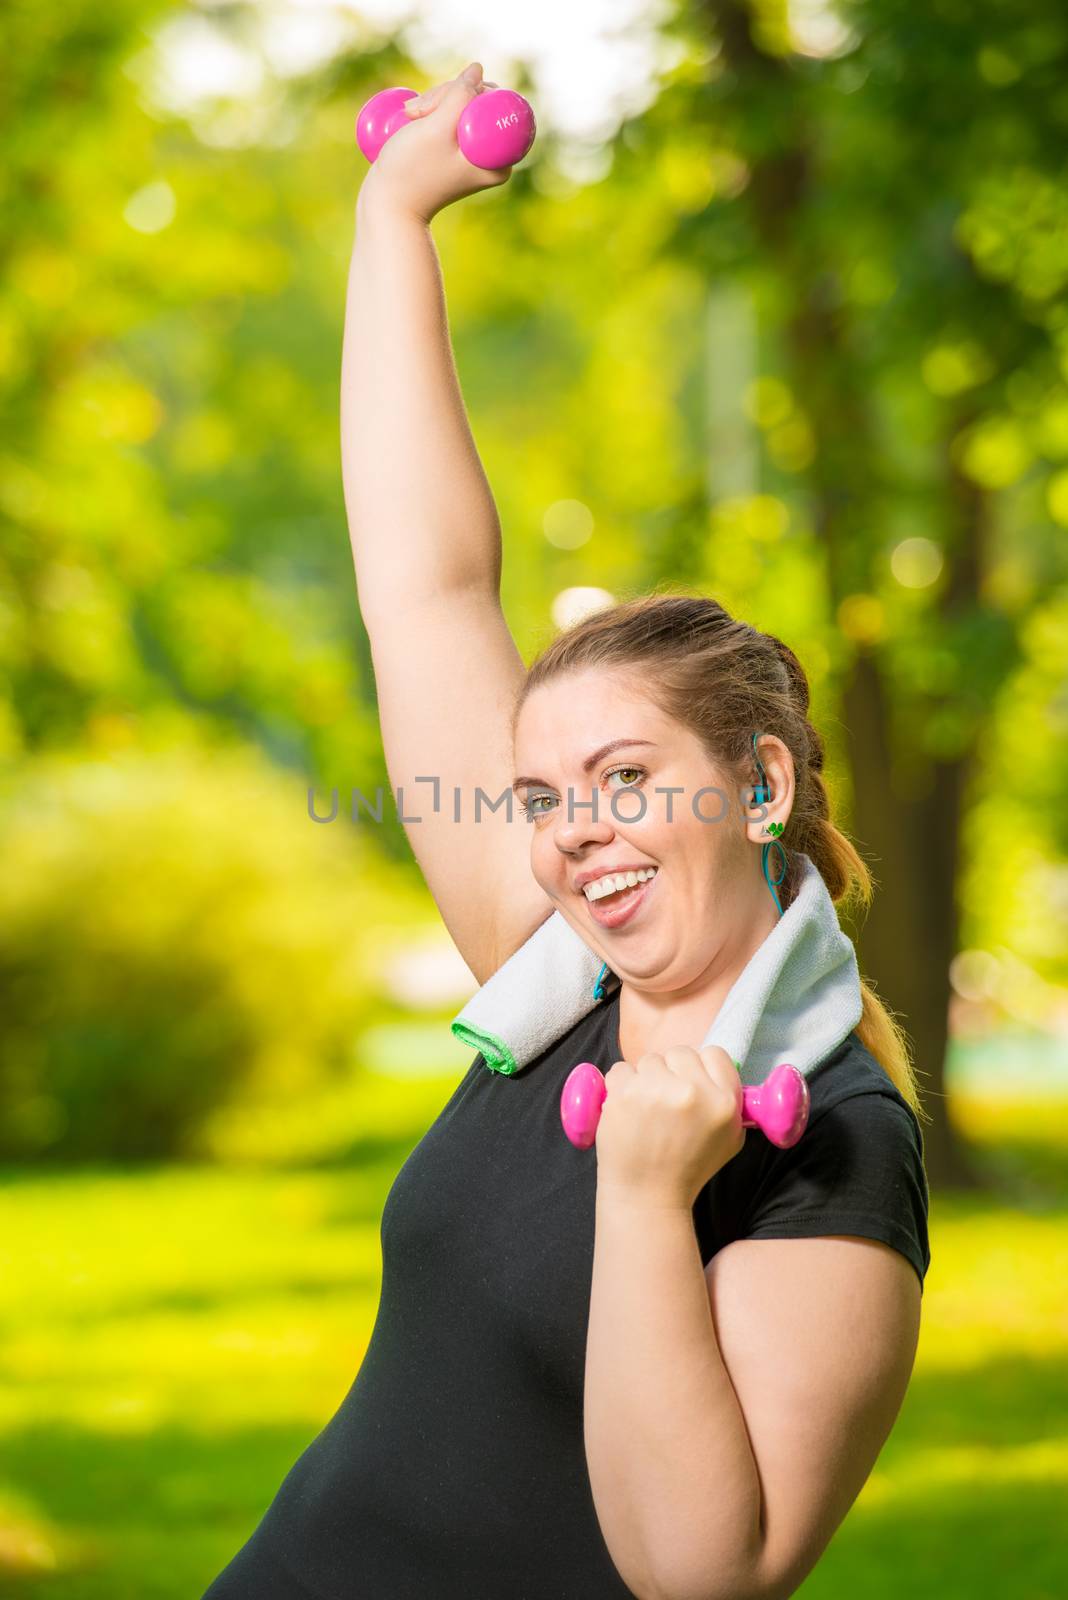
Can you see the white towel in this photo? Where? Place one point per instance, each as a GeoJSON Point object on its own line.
{"type": "Point", "coordinates": [795, 1000]}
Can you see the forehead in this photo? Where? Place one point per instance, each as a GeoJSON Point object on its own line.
{"type": "Point", "coordinates": [571, 714]}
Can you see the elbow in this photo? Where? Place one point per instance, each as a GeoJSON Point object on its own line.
{"type": "Point", "coordinates": [713, 1587]}
{"type": "Point", "coordinates": [715, 1577]}
{"type": "Point", "coordinates": [710, 1588]}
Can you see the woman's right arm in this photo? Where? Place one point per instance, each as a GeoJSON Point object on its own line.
{"type": "Point", "coordinates": [426, 547]}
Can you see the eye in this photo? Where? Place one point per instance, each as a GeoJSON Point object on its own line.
{"type": "Point", "coordinates": [639, 770]}
{"type": "Point", "coordinates": [531, 808]}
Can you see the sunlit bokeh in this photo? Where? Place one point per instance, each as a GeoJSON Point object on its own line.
{"type": "Point", "coordinates": [567, 524]}
{"type": "Point", "coordinates": [916, 562]}
{"type": "Point", "coordinates": [571, 605]}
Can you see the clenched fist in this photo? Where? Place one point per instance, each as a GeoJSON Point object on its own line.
{"type": "Point", "coordinates": [669, 1123]}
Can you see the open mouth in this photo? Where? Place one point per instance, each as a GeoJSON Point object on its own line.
{"type": "Point", "coordinates": [611, 910]}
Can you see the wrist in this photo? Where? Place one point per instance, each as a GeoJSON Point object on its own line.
{"type": "Point", "coordinates": [378, 206]}
{"type": "Point", "coordinates": [631, 1197]}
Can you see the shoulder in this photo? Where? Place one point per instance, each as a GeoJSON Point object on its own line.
{"type": "Point", "coordinates": [850, 1069]}
{"type": "Point", "coordinates": [854, 1102]}
{"type": "Point", "coordinates": [857, 1168]}
{"type": "Point", "coordinates": [852, 1087]}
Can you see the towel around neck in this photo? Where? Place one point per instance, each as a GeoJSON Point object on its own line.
{"type": "Point", "coordinates": [795, 1000]}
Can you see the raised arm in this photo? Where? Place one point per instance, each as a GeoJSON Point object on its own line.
{"type": "Point", "coordinates": [421, 515]}
{"type": "Point", "coordinates": [426, 545]}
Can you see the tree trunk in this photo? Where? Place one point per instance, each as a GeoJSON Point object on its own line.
{"type": "Point", "coordinates": [909, 836]}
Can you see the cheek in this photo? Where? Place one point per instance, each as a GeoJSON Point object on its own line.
{"type": "Point", "coordinates": [707, 848]}
{"type": "Point", "coordinates": [546, 863]}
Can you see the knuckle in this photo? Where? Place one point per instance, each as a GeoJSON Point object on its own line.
{"type": "Point", "coordinates": [680, 1053]}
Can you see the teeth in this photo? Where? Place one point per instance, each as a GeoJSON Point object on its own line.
{"type": "Point", "coordinates": [617, 880]}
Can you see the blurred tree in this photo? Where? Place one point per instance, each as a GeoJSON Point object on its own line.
{"type": "Point", "coordinates": [173, 550]}
{"type": "Point", "coordinates": [176, 939]}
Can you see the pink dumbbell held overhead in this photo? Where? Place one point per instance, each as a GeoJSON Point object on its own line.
{"type": "Point", "coordinates": [778, 1106]}
{"type": "Point", "coordinates": [496, 128]}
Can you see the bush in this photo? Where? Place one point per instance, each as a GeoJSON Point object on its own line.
{"type": "Point", "coordinates": [175, 933]}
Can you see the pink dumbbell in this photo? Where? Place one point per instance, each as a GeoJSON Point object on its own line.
{"type": "Point", "coordinates": [778, 1106]}
{"type": "Point", "coordinates": [496, 128]}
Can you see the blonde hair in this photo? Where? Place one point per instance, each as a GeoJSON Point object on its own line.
{"type": "Point", "coordinates": [725, 680]}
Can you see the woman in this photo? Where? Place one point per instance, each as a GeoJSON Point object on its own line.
{"type": "Point", "coordinates": [664, 1366]}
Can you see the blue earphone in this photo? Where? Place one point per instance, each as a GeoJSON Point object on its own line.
{"type": "Point", "coordinates": [761, 794]}
{"type": "Point", "coordinates": [761, 797]}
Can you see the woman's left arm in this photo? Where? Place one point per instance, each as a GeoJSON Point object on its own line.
{"type": "Point", "coordinates": [733, 1413]}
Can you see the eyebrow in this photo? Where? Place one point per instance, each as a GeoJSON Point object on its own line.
{"type": "Point", "coordinates": [590, 761]}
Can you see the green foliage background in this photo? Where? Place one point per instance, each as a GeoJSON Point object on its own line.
{"type": "Point", "coordinates": [799, 337]}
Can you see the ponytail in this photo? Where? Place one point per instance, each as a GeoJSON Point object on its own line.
{"type": "Point", "coordinates": [848, 879]}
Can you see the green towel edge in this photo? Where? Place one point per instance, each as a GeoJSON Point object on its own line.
{"type": "Point", "coordinates": [494, 1051]}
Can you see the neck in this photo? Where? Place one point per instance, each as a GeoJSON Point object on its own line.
{"type": "Point", "coordinates": [654, 1021]}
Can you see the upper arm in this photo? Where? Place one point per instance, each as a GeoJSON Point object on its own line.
{"type": "Point", "coordinates": [819, 1337]}
{"type": "Point", "coordinates": [447, 672]}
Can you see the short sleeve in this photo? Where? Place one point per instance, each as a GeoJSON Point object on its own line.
{"type": "Point", "coordinates": [857, 1168]}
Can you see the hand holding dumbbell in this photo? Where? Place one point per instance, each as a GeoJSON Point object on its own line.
{"type": "Point", "coordinates": [469, 137]}
{"type": "Point", "coordinates": [778, 1106]}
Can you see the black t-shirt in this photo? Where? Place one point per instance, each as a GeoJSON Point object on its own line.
{"type": "Point", "coordinates": [455, 1465]}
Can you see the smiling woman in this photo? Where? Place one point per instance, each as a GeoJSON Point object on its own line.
{"type": "Point", "coordinates": [613, 1371]}
{"type": "Point", "coordinates": [691, 1384]}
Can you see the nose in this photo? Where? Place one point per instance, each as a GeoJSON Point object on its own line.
{"type": "Point", "coordinates": [590, 822]}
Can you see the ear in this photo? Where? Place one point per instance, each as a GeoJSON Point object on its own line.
{"type": "Point", "coordinates": [778, 765]}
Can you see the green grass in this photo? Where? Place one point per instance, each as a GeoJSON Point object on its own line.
{"type": "Point", "coordinates": [173, 1338]}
